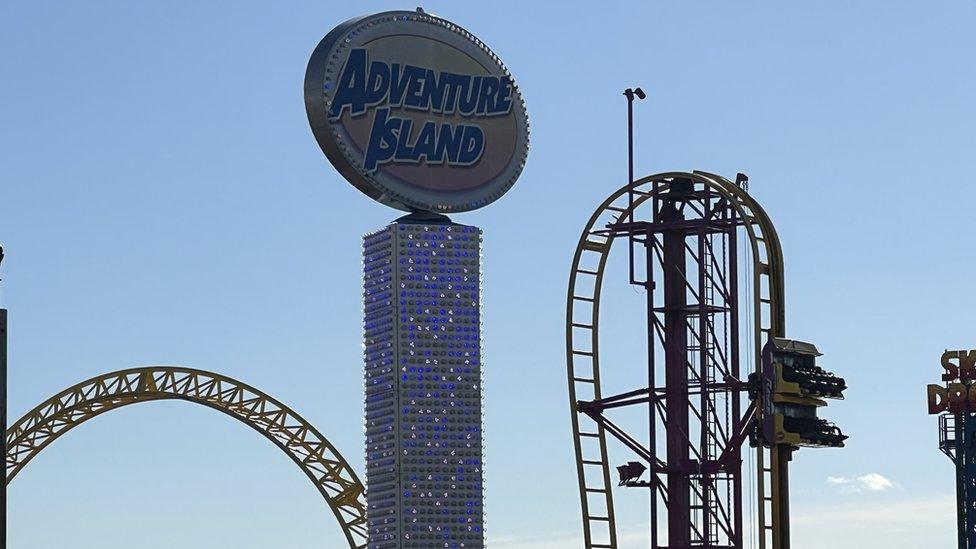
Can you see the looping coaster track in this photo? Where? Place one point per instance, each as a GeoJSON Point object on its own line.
{"type": "Point", "coordinates": [590, 428]}
{"type": "Point", "coordinates": [303, 443]}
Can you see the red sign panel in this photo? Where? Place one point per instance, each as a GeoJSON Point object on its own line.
{"type": "Point", "coordinates": [959, 393]}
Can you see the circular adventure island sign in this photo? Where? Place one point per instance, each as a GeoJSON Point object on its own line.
{"type": "Point", "coordinates": [416, 112]}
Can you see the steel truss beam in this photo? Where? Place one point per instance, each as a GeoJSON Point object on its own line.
{"type": "Point", "coordinates": [301, 441]}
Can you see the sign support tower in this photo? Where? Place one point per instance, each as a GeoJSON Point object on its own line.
{"type": "Point", "coordinates": [953, 428]}
{"type": "Point", "coordinates": [953, 402]}
{"type": "Point", "coordinates": [421, 116]}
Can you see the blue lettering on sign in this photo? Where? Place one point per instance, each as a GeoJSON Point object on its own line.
{"type": "Point", "coordinates": [364, 84]}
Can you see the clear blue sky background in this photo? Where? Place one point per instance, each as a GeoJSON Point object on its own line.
{"type": "Point", "coordinates": [162, 201]}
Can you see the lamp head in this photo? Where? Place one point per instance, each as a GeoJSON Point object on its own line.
{"type": "Point", "coordinates": [630, 472]}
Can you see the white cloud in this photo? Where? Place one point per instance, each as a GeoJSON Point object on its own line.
{"type": "Point", "coordinates": [871, 482]}
{"type": "Point", "coordinates": [900, 524]}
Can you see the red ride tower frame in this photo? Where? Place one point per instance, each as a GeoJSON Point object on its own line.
{"type": "Point", "coordinates": [697, 396]}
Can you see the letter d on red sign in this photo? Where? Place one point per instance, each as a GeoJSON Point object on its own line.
{"type": "Point", "coordinates": [938, 399]}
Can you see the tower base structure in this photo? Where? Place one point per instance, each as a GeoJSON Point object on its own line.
{"type": "Point", "coordinates": [423, 415]}
{"type": "Point", "coordinates": [958, 441]}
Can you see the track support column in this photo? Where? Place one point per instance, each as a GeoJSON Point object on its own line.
{"type": "Point", "coordinates": [676, 374]}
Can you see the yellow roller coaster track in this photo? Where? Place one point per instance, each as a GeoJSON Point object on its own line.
{"type": "Point", "coordinates": [583, 350]}
{"type": "Point", "coordinates": [302, 442]}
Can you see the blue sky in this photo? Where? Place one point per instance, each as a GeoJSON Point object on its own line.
{"type": "Point", "coordinates": [162, 201]}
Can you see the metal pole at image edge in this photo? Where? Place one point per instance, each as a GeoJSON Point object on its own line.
{"type": "Point", "coordinates": [3, 425]}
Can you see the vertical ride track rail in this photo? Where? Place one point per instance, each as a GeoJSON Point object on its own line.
{"type": "Point", "coordinates": [583, 350]}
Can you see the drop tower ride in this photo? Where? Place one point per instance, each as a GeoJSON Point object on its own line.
{"type": "Point", "coordinates": [718, 370]}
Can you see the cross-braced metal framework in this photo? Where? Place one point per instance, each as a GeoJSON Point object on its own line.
{"type": "Point", "coordinates": [687, 225]}
{"type": "Point", "coordinates": [302, 442]}
{"type": "Point", "coordinates": [957, 440]}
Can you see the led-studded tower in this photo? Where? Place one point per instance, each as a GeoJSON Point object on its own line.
{"type": "Point", "coordinates": [423, 385]}
{"type": "Point", "coordinates": [421, 116]}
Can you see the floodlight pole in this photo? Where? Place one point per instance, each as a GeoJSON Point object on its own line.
{"type": "Point", "coordinates": [630, 93]}
{"type": "Point", "coordinates": [648, 284]}
{"type": "Point", "coordinates": [630, 153]}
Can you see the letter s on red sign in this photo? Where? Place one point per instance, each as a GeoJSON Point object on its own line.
{"type": "Point", "coordinates": [951, 370]}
